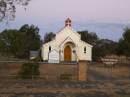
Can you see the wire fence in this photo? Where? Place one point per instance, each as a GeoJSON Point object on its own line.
{"type": "Point", "coordinates": [96, 71]}
{"type": "Point", "coordinates": [100, 71]}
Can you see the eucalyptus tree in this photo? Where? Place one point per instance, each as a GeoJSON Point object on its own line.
{"type": "Point", "coordinates": [8, 8]}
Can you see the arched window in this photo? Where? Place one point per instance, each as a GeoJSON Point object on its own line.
{"type": "Point", "coordinates": [85, 49]}
{"type": "Point", "coordinates": [49, 48]}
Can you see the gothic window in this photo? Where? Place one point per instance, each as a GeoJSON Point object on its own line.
{"type": "Point", "coordinates": [49, 48]}
{"type": "Point", "coordinates": [84, 49]}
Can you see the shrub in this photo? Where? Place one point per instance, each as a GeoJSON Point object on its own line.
{"type": "Point", "coordinates": [29, 71]}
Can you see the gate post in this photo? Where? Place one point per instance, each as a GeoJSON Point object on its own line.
{"type": "Point", "coordinates": [83, 70]}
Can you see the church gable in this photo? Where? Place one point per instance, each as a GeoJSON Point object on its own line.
{"type": "Point", "coordinates": [67, 31]}
{"type": "Point", "coordinates": [67, 46]}
{"type": "Point", "coordinates": [68, 39]}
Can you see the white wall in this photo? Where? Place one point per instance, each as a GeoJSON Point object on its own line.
{"type": "Point", "coordinates": [73, 37]}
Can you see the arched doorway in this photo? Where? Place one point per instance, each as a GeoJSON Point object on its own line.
{"type": "Point", "coordinates": [67, 53]}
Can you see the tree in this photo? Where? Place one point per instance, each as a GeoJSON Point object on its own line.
{"type": "Point", "coordinates": [48, 37]}
{"type": "Point", "coordinates": [20, 42]}
{"type": "Point", "coordinates": [126, 35]}
{"type": "Point", "coordinates": [29, 39]}
{"type": "Point", "coordinates": [88, 37]}
{"type": "Point", "coordinates": [123, 47]}
{"type": "Point", "coordinates": [8, 8]}
{"type": "Point", "coordinates": [7, 41]}
{"type": "Point", "coordinates": [102, 48]}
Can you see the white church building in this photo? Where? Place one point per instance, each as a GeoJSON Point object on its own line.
{"type": "Point", "coordinates": [67, 46]}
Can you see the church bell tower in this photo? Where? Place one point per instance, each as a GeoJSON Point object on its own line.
{"type": "Point", "coordinates": [68, 23]}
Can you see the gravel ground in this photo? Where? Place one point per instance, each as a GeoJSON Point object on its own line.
{"type": "Point", "coordinates": [41, 88]}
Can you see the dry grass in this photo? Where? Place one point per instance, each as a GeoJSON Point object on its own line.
{"type": "Point", "coordinates": [121, 72]}
{"type": "Point", "coordinates": [117, 72]}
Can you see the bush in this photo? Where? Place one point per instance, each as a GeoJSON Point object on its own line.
{"type": "Point", "coordinates": [29, 71]}
{"type": "Point", "coordinates": [66, 77]}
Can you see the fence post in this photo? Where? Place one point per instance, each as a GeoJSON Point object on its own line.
{"type": "Point", "coordinates": [129, 66]}
{"type": "Point", "coordinates": [82, 70]}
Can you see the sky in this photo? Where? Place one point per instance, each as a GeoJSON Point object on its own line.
{"type": "Point", "coordinates": [107, 18]}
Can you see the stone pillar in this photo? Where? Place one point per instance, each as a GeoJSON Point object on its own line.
{"type": "Point", "coordinates": [83, 70]}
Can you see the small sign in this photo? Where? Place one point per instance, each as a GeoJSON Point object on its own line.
{"type": "Point", "coordinates": [34, 54]}
{"type": "Point", "coordinates": [53, 57]}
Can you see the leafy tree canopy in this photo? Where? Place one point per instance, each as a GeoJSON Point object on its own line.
{"type": "Point", "coordinates": [123, 47]}
{"type": "Point", "coordinates": [48, 37]}
{"type": "Point", "coordinates": [103, 47]}
{"type": "Point", "coordinates": [88, 37]}
{"type": "Point", "coordinates": [20, 42]}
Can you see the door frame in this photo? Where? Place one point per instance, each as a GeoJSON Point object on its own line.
{"type": "Point", "coordinates": [70, 53]}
